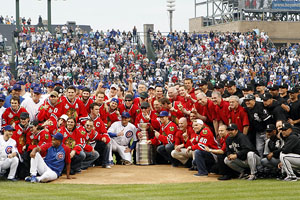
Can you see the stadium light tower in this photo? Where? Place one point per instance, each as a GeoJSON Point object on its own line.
{"type": "Point", "coordinates": [18, 15]}
{"type": "Point", "coordinates": [171, 9]}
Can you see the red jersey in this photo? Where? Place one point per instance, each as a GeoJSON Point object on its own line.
{"type": "Point", "coordinates": [209, 111]}
{"type": "Point", "coordinates": [167, 134]}
{"type": "Point", "coordinates": [87, 104]}
{"type": "Point", "coordinates": [72, 139]}
{"type": "Point", "coordinates": [179, 138]}
{"type": "Point", "coordinates": [9, 116]}
{"type": "Point", "coordinates": [204, 138]}
{"type": "Point", "coordinates": [141, 119]}
{"type": "Point", "coordinates": [239, 117]}
{"type": "Point", "coordinates": [75, 109]}
{"type": "Point", "coordinates": [39, 139]}
{"type": "Point", "coordinates": [112, 117]}
{"type": "Point", "coordinates": [222, 112]}
{"type": "Point", "coordinates": [187, 103]}
{"type": "Point", "coordinates": [19, 135]}
{"type": "Point", "coordinates": [47, 109]}
{"type": "Point", "coordinates": [134, 110]}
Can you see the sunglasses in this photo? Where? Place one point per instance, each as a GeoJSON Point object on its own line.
{"type": "Point", "coordinates": [143, 108]}
{"type": "Point", "coordinates": [128, 100]}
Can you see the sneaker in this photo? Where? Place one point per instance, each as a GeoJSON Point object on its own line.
{"type": "Point", "coordinates": [243, 175]}
{"type": "Point", "coordinates": [28, 178]}
{"type": "Point", "coordinates": [125, 162]}
{"type": "Point", "coordinates": [290, 178]}
{"type": "Point", "coordinates": [224, 178]}
{"type": "Point", "coordinates": [106, 166]}
{"type": "Point", "coordinates": [12, 179]}
{"type": "Point", "coordinates": [252, 177]}
{"type": "Point", "coordinates": [33, 179]}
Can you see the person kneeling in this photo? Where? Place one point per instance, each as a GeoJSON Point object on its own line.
{"type": "Point", "coordinates": [51, 167]}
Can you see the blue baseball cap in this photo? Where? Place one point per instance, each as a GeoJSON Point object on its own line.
{"type": "Point", "coordinates": [115, 100]}
{"type": "Point", "coordinates": [16, 87]}
{"type": "Point", "coordinates": [80, 87]}
{"type": "Point", "coordinates": [50, 84]}
{"type": "Point", "coordinates": [58, 83]}
{"type": "Point", "coordinates": [126, 114]}
{"type": "Point", "coordinates": [58, 136]}
{"type": "Point", "coordinates": [37, 90]}
{"type": "Point", "coordinates": [2, 97]}
{"type": "Point", "coordinates": [164, 114]}
{"type": "Point", "coordinates": [33, 85]}
{"type": "Point", "coordinates": [21, 82]}
{"type": "Point", "coordinates": [8, 128]}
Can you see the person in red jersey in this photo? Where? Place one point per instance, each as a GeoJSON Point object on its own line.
{"type": "Point", "coordinates": [164, 139]}
{"type": "Point", "coordinates": [182, 136]}
{"type": "Point", "coordinates": [204, 138]}
{"type": "Point", "coordinates": [11, 115]}
{"type": "Point", "coordinates": [51, 106]}
{"type": "Point", "coordinates": [159, 93]}
{"type": "Point", "coordinates": [188, 82]}
{"type": "Point", "coordinates": [221, 108]}
{"type": "Point", "coordinates": [73, 139]}
{"type": "Point", "coordinates": [129, 107]}
{"type": "Point", "coordinates": [238, 115]}
{"type": "Point", "coordinates": [21, 131]}
{"type": "Point", "coordinates": [73, 106]}
{"type": "Point", "coordinates": [86, 98]}
{"type": "Point", "coordinates": [113, 112]}
{"type": "Point", "coordinates": [100, 100]}
{"type": "Point", "coordinates": [172, 108]}
{"type": "Point", "coordinates": [186, 99]}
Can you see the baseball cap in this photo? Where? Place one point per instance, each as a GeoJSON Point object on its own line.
{"type": "Point", "coordinates": [164, 114]}
{"type": "Point", "coordinates": [232, 127]}
{"type": "Point", "coordinates": [230, 83]}
{"type": "Point", "coordinates": [286, 126]}
{"type": "Point", "coordinates": [115, 100]}
{"type": "Point", "coordinates": [129, 97]}
{"type": "Point", "coordinates": [33, 85]}
{"type": "Point", "coordinates": [2, 97]}
{"type": "Point", "coordinates": [125, 114]}
{"type": "Point", "coordinates": [270, 127]}
{"type": "Point", "coordinates": [145, 104]}
{"type": "Point", "coordinates": [80, 87]}
{"type": "Point", "coordinates": [151, 87]}
{"type": "Point", "coordinates": [58, 136]}
{"type": "Point", "coordinates": [37, 90]}
{"type": "Point", "coordinates": [273, 87]}
{"type": "Point", "coordinates": [54, 93]}
{"type": "Point", "coordinates": [260, 83]}
{"type": "Point", "coordinates": [64, 117]}
{"type": "Point", "coordinates": [58, 83]}
{"type": "Point", "coordinates": [219, 86]}
{"type": "Point", "coordinates": [202, 82]}
{"type": "Point", "coordinates": [248, 87]}
{"type": "Point", "coordinates": [24, 115]}
{"type": "Point", "coordinates": [144, 95]}
{"type": "Point", "coordinates": [283, 85]}
{"type": "Point", "coordinates": [21, 82]}
{"type": "Point", "coordinates": [50, 84]}
{"type": "Point", "coordinates": [199, 121]}
{"type": "Point", "coordinates": [59, 89]}
{"type": "Point", "coordinates": [293, 90]}
{"type": "Point", "coordinates": [266, 96]}
{"type": "Point", "coordinates": [16, 87]}
{"type": "Point", "coordinates": [114, 86]}
{"type": "Point", "coordinates": [249, 97]}
{"type": "Point", "coordinates": [34, 123]}
{"type": "Point", "coordinates": [8, 128]}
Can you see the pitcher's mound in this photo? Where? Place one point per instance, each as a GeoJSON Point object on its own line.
{"type": "Point", "coordinates": [134, 174]}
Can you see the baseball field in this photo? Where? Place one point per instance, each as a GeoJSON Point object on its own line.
{"type": "Point", "coordinates": [148, 182]}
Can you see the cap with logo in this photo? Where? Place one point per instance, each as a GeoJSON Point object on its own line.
{"type": "Point", "coordinates": [232, 127]}
{"type": "Point", "coordinates": [266, 96]}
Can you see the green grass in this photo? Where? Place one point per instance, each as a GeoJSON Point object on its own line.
{"type": "Point", "coordinates": [236, 189]}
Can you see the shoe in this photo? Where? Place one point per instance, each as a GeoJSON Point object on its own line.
{"type": "Point", "coordinates": [224, 178]}
{"type": "Point", "coordinates": [106, 166]}
{"type": "Point", "coordinates": [12, 179]}
{"type": "Point", "coordinates": [193, 168]}
{"type": "Point", "coordinates": [281, 177]}
{"type": "Point", "coordinates": [252, 177]}
{"type": "Point", "coordinates": [28, 178]}
{"type": "Point", "coordinates": [78, 171]}
{"type": "Point", "coordinates": [290, 178]}
{"type": "Point", "coordinates": [243, 175]}
{"type": "Point", "coordinates": [126, 162]}
{"type": "Point", "coordinates": [200, 174]}
{"type": "Point", "coordinates": [33, 179]}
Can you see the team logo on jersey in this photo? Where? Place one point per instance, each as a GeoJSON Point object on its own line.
{"type": "Point", "coordinates": [204, 132]}
{"type": "Point", "coordinates": [60, 156]}
{"type": "Point", "coordinates": [46, 136]}
{"type": "Point", "coordinates": [10, 115]}
{"type": "Point", "coordinates": [76, 106]}
{"type": "Point", "coordinates": [129, 134]}
{"type": "Point", "coordinates": [82, 132]}
{"type": "Point", "coordinates": [67, 106]}
{"type": "Point", "coordinates": [50, 110]}
{"type": "Point", "coordinates": [171, 128]}
{"type": "Point", "coordinates": [164, 134]}
{"type": "Point", "coordinates": [19, 132]}
{"type": "Point", "coordinates": [8, 150]}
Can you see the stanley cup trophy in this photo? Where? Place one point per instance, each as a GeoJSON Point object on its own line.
{"type": "Point", "coordinates": [143, 150]}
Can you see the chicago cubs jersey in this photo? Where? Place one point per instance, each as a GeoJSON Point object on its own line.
{"type": "Point", "coordinates": [7, 147]}
{"type": "Point", "coordinates": [129, 133]}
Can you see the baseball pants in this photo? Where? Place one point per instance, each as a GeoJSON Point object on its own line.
{"type": "Point", "coordinates": [38, 166]}
{"type": "Point", "coordinates": [11, 164]}
{"type": "Point", "coordinates": [115, 147]}
{"type": "Point", "coordinates": [271, 164]}
{"type": "Point", "coordinates": [182, 156]}
{"type": "Point", "coordinates": [260, 143]}
{"type": "Point", "coordinates": [290, 161]}
{"type": "Point", "coordinates": [238, 165]}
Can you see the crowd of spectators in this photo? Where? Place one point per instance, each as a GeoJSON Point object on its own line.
{"type": "Point", "coordinates": [11, 20]}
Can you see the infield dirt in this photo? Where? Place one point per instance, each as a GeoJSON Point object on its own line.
{"type": "Point", "coordinates": [134, 174]}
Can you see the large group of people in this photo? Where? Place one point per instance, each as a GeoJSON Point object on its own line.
{"type": "Point", "coordinates": [225, 103]}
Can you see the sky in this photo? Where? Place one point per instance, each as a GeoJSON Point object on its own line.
{"type": "Point", "coordinates": [106, 14]}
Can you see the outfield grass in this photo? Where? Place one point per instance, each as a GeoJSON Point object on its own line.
{"type": "Point", "coordinates": [236, 189]}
